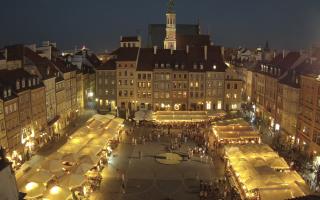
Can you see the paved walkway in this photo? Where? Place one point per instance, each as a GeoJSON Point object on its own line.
{"type": "Point", "coordinates": [145, 178]}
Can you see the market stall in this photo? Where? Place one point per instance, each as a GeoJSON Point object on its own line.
{"type": "Point", "coordinates": [180, 116]}
{"type": "Point", "coordinates": [257, 172]}
{"type": "Point", "coordinates": [234, 133]}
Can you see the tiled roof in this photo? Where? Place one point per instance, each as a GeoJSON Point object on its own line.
{"type": "Point", "coordinates": [193, 60]}
{"type": "Point", "coordinates": [93, 59]}
{"type": "Point", "coordinates": [130, 39]}
{"type": "Point", "coordinates": [126, 54]}
{"type": "Point", "coordinates": [64, 66]}
{"type": "Point", "coordinates": [192, 40]}
{"type": "Point", "coordinates": [45, 67]}
{"type": "Point", "coordinates": [284, 63]}
{"type": "Point", "coordinates": [109, 65]}
{"type": "Point", "coordinates": [15, 52]}
{"type": "Point", "coordinates": [8, 78]}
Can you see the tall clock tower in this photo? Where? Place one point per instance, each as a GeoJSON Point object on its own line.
{"type": "Point", "coordinates": [170, 41]}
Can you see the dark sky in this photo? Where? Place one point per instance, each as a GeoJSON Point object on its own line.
{"type": "Point", "coordinates": [98, 24]}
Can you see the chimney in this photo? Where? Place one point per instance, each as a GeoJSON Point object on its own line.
{"type": "Point", "coordinates": [155, 50]}
{"type": "Point", "coordinates": [6, 54]}
{"type": "Point", "coordinates": [283, 53]}
{"type": "Point", "coordinates": [274, 55]}
{"type": "Point", "coordinates": [187, 49]}
{"type": "Point", "coordinates": [206, 52]}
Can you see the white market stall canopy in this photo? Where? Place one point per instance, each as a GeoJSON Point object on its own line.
{"type": "Point", "coordinates": [180, 116]}
{"type": "Point", "coordinates": [235, 133]}
{"type": "Point", "coordinates": [257, 168]}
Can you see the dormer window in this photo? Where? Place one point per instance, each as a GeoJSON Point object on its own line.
{"type": "Point", "coordinates": [29, 82]}
{"type": "Point", "coordinates": [167, 65]}
{"type": "Point", "coordinates": [5, 93]}
{"type": "Point", "coordinates": [182, 66]}
{"type": "Point", "coordinates": [176, 66]}
{"type": "Point", "coordinates": [48, 70]}
{"type": "Point", "coordinates": [156, 65]}
{"type": "Point", "coordinates": [201, 67]}
{"type": "Point", "coordinates": [162, 65]}
{"type": "Point", "coordinates": [38, 80]}
{"type": "Point", "coordinates": [33, 81]}
{"type": "Point", "coordinates": [23, 83]}
{"type": "Point", "coordinates": [214, 67]}
{"type": "Point", "coordinates": [194, 66]}
{"type": "Point", "coordinates": [9, 92]}
{"type": "Point", "coordinates": [18, 85]}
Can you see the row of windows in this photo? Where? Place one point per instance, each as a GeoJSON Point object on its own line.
{"type": "Point", "coordinates": [235, 86]}
{"type": "Point", "coordinates": [125, 73]}
{"type": "Point", "coordinates": [106, 82]}
{"type": "Point", "coordinates": [144, 76]}
{"type": "Point", "coordinates": [196, 94]}
{"type": "Point", "coordinates": [10, 108]}
{"type": "Point", "coordinates": [144, 84]}
{"type": "Point", "coordinates": [144, 95]}
{"type": "Point", "coordinates": [125, 82]}
{"type": "Point", "coordinates": [125, 93]}
{"type": "Point", "coordinates": [162, 95]}
{"type": "Point", "coordinates": [228, 96]}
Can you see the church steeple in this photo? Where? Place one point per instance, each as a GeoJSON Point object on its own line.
{"type": "Point", "coordinates": [170, 40]}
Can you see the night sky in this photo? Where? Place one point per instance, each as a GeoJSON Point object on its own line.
{"type": "Point", "coordinates": [98, 24]}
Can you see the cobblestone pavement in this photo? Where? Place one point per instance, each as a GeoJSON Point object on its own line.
{"type": "Point", "coordinates": [147, 179]}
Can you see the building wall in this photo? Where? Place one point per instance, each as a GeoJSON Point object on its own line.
{"type": "Point", "coordinates": [106, 93]}
{"type": "Point", "coordinates": [144, 89]}
{"type": "Point", "coordinates": [13, 131]}
{"type": "Point", "coordinates": [214, 90]}
{"type": "Point", "coordinates": [233, 90]}
{"type": "Point", "coordinates": [308, 128]}
{"type": "Point", "coordinates": [80, 86]}
{"type": "Point", "coordinates": [61, 105]}
{"type": "Point", "coordinates": [288, 104]}
{"type": "Point", "coordinates": [50, 90]}
{"type": "Point", "coordinates": [8, 189]}
{"type": "Point", "coordinates": [162, 89]}
{"type": "Point", "coordinates": [3, 135]}
{"type": "Point", "coordinates": [180, 90]}
{"type": "Point", "coordinates": [38, 108]}
{"type": "Point", "coordinates": [126, 97]}
{"type": "Point", "coordinates": [196, 90]}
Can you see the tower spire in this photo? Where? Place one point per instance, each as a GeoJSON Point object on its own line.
{"type": "Point", "coordinates": [170, 41]}
{"type": "Point", "coordinates": [170, 6]}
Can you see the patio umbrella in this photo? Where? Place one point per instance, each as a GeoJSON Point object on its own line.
{"type": "Point", "coordinates": [33, 190]}
{"type": "Point", "coordinates": [72, 181]}
{"type": "Point", "coordinates": [82, 168]}
{"type": "Point", "coordinates": [53, 165]}
{"type": "Point", "coordinates": [42, 177]}
{"type": "Point", "coordinates": [93, 160]}
{"type": "Point", "coordinates": [70, 157]}
{"type": "Point", "coordinates": [58, 193]}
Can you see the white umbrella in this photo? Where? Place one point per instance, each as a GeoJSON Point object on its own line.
{"type": "Point", "coordinates": [42, 177]}
{"type": "Point", "coordinates": [53, 165]}
{"type": "Point", "coordinates": [72, 181]}
{"type": "Point", "coordinates": [57, 193]}
{"type": "Point", "coordinates": [33, 190]}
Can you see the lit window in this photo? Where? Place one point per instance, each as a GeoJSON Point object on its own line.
{"type": "Point", "coordinates": [219, 105]}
